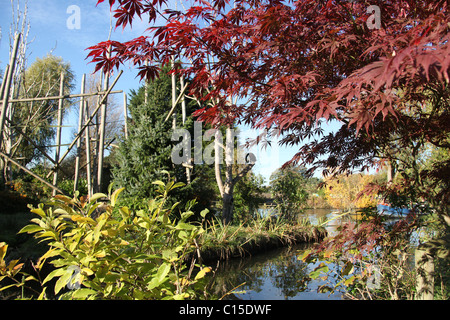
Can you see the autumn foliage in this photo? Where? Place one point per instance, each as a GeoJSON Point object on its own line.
{"type": "Point", "coordinates": [295, 64]}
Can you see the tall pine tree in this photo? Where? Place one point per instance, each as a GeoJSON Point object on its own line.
{"type": "Point", "coordinates": [140, 159]}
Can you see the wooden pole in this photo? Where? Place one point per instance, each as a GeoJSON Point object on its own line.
{"type": "Point", "coordinates": [183, 101]}
{"type": "Point", "coordinates": [101, 150]}
{"type": "Point", "coordinates": [3, 110]}
{"type": "Point", "coordinates": [66, 96]}
{"type": "Point", "coordinates": [99, 104]}
{"type": "Point", "coordinates": [125, 114]}
{"type": "Point", "coordinates": [174, 96]}
{"type": "Point", "coordinates": [146, 87]}
{"type": "Point", "coordinates": [183, 120]}
{"type": "Point", "coordinates": [176, 102]}
{"type": "Point", "coordinates": [80, 124]}
{"type": "Point", "coordinates": [31, 141]}
{"type": "Point", "coordinates": [2, 89]}
{"type": "Point", "coordinates": [58, 131]}
{"type": "Point", "coordinates": [88, 151]}
{"type": "Point", "coordinates": [7, 88]}
{"type": "Point", "coordinates": [31, 172]}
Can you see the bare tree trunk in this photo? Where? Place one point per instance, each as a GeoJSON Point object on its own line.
{"type": "Point", "coordinates": [227, 188]}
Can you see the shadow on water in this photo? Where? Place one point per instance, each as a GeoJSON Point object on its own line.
{"type": "Point", "coordinates": [277, 274]}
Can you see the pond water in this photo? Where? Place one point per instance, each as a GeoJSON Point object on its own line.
{"type": "Point", "coordinates": [277, 274]}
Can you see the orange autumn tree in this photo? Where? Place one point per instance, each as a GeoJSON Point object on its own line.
{"type": "Point", "coordinates": [343, 192]}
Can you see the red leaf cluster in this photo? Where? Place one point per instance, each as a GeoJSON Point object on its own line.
{"type": "Point", "coordinates": [296, 64]}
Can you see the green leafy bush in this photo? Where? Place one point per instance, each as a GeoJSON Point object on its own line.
{"type": "Point", "coordinates": [102, 251]}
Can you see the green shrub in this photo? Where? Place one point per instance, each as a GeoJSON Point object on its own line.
{"type": "Point", "coordinates": [102, 251]}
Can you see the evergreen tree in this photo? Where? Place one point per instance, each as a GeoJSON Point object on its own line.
{"type": "Point", "coordinates": [146, 152]}
{"type": "Point", "coordinates": [142, 157]}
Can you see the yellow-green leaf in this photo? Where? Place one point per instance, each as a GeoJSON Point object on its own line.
{"type": "Point", "coordinates": [115, 195]}
{"type": "Point", "coordinates": [83, 293]}
{"type": "Point", "coordinates": [97, 196]}
{"type": "Point", "coordinates": [80, 218]}
{"type": "Point", "coordinates": [3, 249]}
{"type": "Point", "coordinates": [202, 273]}
{"type": "Point", "coordinates": [63, 280]}
{"type": "Point", "coordinates": [31, 228]}
{"type": "Point", "coordinates": [38, 211]}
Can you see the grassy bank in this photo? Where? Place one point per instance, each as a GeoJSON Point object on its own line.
{"type": "Point", "coordinates": [222, 242]}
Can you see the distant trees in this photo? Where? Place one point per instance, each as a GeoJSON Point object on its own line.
{"type": "Point", "coordinates": [343, 192]}
{"type": "Point", "coordinates": [288, 186]}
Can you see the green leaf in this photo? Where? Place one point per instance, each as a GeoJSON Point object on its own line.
{"type": "Point", "coordinates": [204, 212]}
{"type": "Point", "coordinates": [31, 228]}
{"type": "Point", "coordinates": [177, 185]}
{"type": "Point", "coordinates": [160, 276]}
{"type": "Point", "coordinates": [39, 211]}
{"type": "Point", "coordinates": [115, 195]}
{"type": "Point", "coordinates": [55, 273]}
{"type": "Point", "coordinates": [349, 281]}
{"type": "Point", "coordinates": [184, 226]}
{"type": "Point", "coordinates": [48, 235]}
{"type": "Point", "coordinates": [124, 212]}
{"type": "Point", "coordinates": [306, 256]}
{"type": "Point", "coordinates": [159, 182]}
{"type": "Point", "coordinates": [202, 273]}
{"type": "Point", "coordinates": [97, 196]}
{"type": "Point", "coordinates": [83, 293]}
{"type": "Point", "coordinates": [321, 268]}
{"type": "Point", "coordinates": [63, 280]}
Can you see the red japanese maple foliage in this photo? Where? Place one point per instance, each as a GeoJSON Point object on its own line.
{"type": "Point", "coordinates": [296, 64]}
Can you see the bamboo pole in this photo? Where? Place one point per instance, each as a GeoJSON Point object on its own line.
{"type": "Point", "coordinates": [31, 173]}
{"type": "Point", "coordinates": [174, 95]}
{"type": "Point", "coordinates": [101, 150]}
{"type": "Point", "coordinates": [176, 102]}
{"type": "Point", "coordinates": [183, 100]}
{"type": "Point", "coordinates": [88, 151]}
{"type": "Point", "coordinates": [58, 132]}
{"type": "Point", "coordinates": [66, 96]}
{"type": "Point", "coordinates": [7, 88]}
{"type": "Point", "coordinates": [80, 123]}
{"type": "Point", "coordinates": [4, 82]}
{"type": "Point", "coordinates": [125, 114]}
{"type": "Point", "coordinates": [99, 104]}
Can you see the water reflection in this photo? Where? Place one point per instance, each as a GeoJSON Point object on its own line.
{"type": "Point", "coordinates": [277, 274]}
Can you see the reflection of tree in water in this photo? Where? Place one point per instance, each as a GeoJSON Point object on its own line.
{"type": "Point", "coordinates": [287, 275]}
{"type": "Point", "coordinates": [280, 267]}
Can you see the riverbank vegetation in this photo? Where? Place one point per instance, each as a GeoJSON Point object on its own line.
{"type": "Point", "coordinates": [100, 250]}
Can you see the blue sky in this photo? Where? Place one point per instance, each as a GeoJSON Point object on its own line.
{"type": "Point", "coordinates": [50, 31]}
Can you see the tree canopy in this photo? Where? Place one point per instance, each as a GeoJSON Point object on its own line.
{"type": "Point", "coordinates": [302, 63]}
